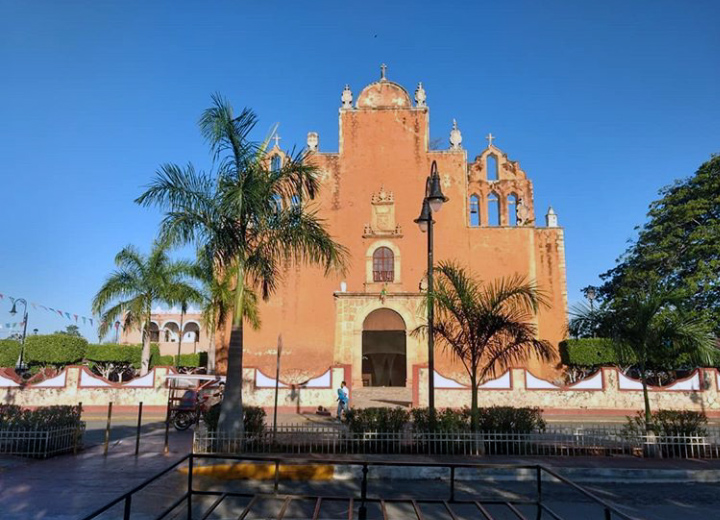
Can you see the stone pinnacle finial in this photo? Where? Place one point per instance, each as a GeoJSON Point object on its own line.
{"type": "Point", "coordinates": [551, 219]}
{"type": "Point", "coordinates": [383, 71]}
{"type": "Point", "coordinates": [347, 97]}
{"type": "Point", "coordinates": [455, 137]}
{"type": "Point", "coordinates": [420, 96]}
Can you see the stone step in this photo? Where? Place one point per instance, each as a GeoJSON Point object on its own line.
{"type": "Point", "coordinates": [378, 397]}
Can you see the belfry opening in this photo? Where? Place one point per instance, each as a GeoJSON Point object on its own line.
{"type": "Point", "coordinates": [384, 349]}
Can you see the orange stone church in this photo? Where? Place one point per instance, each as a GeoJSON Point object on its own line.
{"type": "Point", "coordinates": [372, 190]}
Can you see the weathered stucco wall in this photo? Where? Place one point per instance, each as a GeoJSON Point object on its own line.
{"type": "Point", "coordinates": [607, 392]}
{"type": "Point", "coordinates": [384, 147]}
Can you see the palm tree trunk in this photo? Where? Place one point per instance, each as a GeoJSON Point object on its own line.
{"type": "Point", "coordinates": [474, 405]}
{"type": "Point", "coordinates": [646, 397]}
{"type": "Point", "coordinates": [211, 351]}
{"type": "Point", "coordinates": [145, 360]}
{"type": "Point", "coordinates": [231, 410]}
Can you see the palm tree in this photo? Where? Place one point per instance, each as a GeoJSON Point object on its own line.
{"type": "Point", "coordinates": [236, 215]}
{"type": "Point", "coordinates": [139, 281]}
{"type": "Point", "coordinates": [217, 291]}
{"type": "Point", "coordinates": [487, 326]}
{"type": "Point", "coordinates": [649, 329]}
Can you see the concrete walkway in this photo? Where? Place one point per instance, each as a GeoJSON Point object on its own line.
{"type": "Point", "coordinates": [73, 486]}
{"type": "Point", "coordinates": [68, 487]}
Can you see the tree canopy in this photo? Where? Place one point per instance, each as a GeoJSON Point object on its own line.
{"type": "Point", "coordinates": [678, 248]}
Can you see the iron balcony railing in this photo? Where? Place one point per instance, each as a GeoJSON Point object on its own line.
{"type": "Point", "coordinates": [356, 504]}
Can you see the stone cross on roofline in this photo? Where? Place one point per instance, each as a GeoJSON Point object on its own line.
{"type": "Point", "coordinates": [490, 138]}
{"type": "Point", "coordinates": [383, 71]}
{"type": "Point", "coordinates": [276, 138]}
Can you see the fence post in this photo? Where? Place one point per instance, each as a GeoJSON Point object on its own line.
{"type": "Point", "coordinates": [77, 430]}
{"type": "Point", "coordinates": [128, 507]}
{"type": "Point", "coordinates": [137, 435]}
{"type": "Point", "coordinates": [107, 428]}
{"type": "Point", "coordinates": [166, 449]}
{"type": "Point", "coordinates": [608, 514]}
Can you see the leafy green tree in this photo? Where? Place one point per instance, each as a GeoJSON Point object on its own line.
{"type": "Point", "coordinates": [70, 330]}
{"type": "Point", "coordinates": [129, 292]}
{"type": "Point", "coordinates": [678, 249]}
{"type": "Point", "coordinates": [651, 329]}
{"type": "Point", "coordinates": [253, 219]}
{"type": "Point", "coordinates": [487, 326]}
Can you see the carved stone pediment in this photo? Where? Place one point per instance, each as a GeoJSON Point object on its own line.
{"type": "Point", "coordinates": [382, 216]}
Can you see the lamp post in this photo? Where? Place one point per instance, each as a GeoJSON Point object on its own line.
{"type": "Point", "coordinates": [20, 365]}
{"type": "Point", "coordinates": [590, 295]}
{"type": "Point", "coordinates": [432, 203]}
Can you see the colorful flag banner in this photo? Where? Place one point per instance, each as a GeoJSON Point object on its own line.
{"type": "Point", "coordinates": [62, 314]}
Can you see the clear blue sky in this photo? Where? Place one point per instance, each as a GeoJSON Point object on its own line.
{"type": "Point", "coordinates": [602, 103]}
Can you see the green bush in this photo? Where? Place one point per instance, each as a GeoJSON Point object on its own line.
{"type": "Point", "coordinates": [114, 353]}
{"type": "Point", "coordinates": [162, 361]}
{"type": "Point", "coordinates": [596, 352]}
{"type": "Point", "coordinates": [13, 417]}
{"type": "Point", "coordinates": [9, 352]}
{"type": "Point", "coordinates": [509, 419]}
{"type": "Point", "coordinates": [253, 419]}
{"type": "Point", "coordinates": [588, 352]}
{"type": "Point", "coordinates": [668, 423]}
{"type": "Point", "coordinates": [492, 419]}
{"type": "Point", "coordinates": [191, 360]}
{"type": "Point", "coordinates": [446, 420]}
{"type": "Point", "coordinates": [54, 349]}
{"type": "Point", "coordinates": [377, 419]}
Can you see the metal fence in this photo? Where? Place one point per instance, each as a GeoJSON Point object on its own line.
{"type": "Point", "coordinates": [43, 443]}
{"type": "Point", "coordinates": [578, 441]}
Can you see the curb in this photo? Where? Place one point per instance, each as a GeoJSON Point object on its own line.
{"type": "Point", "coordinates": [342, 472]}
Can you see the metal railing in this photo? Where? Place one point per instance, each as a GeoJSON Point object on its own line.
{"type": "Point", "coordinates": [539, 500]}
{"type": "Point", "coordinates": [41, 443]}
{"type": "Point", "coordinates": [577, 441]}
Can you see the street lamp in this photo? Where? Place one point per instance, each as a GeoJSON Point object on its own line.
{"type": "Point", "coordinates": [20, 365]}
{"type": "Point", "coordinates": [432, 203]}
{"type": "Point", "coordinates": [591, 295]}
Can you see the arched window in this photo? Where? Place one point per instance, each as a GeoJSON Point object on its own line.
{"type": "Point", "coordinates": [474, 211]}
{"type": "Point", "coordinates": [383, 265]}
{"type": "Point", "coordinates": [512, 209]}
{"type": "Point", "coordinates": [492, 168]}
{"type": "Point", "coordinates": [493, 209]}
{"type": "Point", "coordinates": [275, 163]}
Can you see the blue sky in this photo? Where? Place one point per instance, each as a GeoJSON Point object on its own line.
{"type": "Point", "coordinates": [602, 103]}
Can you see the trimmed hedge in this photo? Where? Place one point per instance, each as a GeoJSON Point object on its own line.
{"type": "Point", "coordinates": [361, 420]}
{"type": "Point", "coordinates": [13, 417]}
{"type": "Point", "coordinates": [9, 352]}
{"type": "Point", "coordinates": [186, 360]}
{"type": "Point", "coordinates": [588, 352]}
{"type": "Point", "coordinates": [114, 353]}
{"type": "Point", "coordinates": [595, 352]}
{"type": "Point", "coordinates": [490, 419]}
{"type": "Point", "coordinates": [54, 349]}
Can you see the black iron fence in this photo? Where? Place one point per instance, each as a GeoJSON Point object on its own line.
{"type": "Point", "coordinates": [356, 504]}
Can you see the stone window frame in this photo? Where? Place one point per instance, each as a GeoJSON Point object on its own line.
{"type": "Point", "coordinates": [479, 200]}
{"type": "Point", "coordinates": [369, 260]}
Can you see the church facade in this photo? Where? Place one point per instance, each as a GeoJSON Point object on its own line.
{"type": "Point", "coordinates": [372, 190]}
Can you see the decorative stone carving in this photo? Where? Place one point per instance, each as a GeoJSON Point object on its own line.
{"type": "Point", "coordinates": [347, 98]}
{"type": "Point", "coordinates": [313, 140]}
{"type": "Point", "coordinates": [522, 213]}
{"type": "Point", "coordinates": [420, 96]}
{"type": "Point", "coordinates": [455, 137]}
{"type": "Point", "coordinates": [382, 218]}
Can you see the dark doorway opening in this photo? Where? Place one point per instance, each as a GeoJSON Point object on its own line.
{"type": "Point", "coordinates": [384, 349]}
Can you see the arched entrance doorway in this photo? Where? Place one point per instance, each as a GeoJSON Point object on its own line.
{"type": "Point", "coordinates": [384, 349]}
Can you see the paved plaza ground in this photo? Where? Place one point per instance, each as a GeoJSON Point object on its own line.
{"type": "Point", "coordinates": [68, 487]}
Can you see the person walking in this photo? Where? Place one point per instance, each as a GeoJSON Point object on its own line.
{"type": "Point", "coordinates": [343, 397]}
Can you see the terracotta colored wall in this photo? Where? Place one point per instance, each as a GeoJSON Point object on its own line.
{"type": "Point", "coordinates": [388, 147]}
